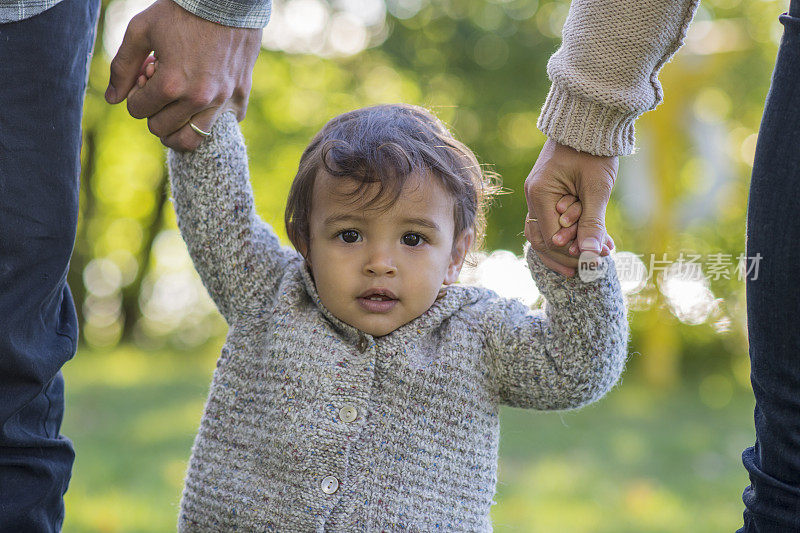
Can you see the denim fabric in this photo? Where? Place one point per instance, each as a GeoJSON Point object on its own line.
{"type": "Point", "coordinates": [772, 500]}
{"type": "Point", "coordinates": [43, 72]}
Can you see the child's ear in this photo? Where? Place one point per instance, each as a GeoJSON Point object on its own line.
{"type": "Point", "coordinates": [460, 248]}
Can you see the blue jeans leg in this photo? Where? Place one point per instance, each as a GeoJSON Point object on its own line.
{"type": "Point", "coordinates": [43, 71]}
{"type": "Point", "coordinates": [772, 500]}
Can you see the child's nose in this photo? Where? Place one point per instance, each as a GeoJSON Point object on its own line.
{"type": "Point", "coordinates": [379, 264]}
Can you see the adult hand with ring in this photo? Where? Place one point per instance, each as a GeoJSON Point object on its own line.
{"type": "Point", "coordinates": [570, 209]}
{"type": "Point", "coordinates": [562, 177]}
{"type": "Point", "coordinates": [205, 68]}
{"type": "Point", "coordinates": [147, 71]}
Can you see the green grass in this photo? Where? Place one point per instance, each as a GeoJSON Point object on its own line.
{"type": "Point", "coordinates": [637, 461]}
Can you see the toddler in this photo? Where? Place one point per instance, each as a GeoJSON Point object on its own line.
{"type": "Point", "coordinates": [359, 386]}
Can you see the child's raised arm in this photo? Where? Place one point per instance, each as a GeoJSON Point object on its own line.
{"type": "Point", "coordinates": [567, 355]}
{"type": "Point", "coordinates": [237, 255]}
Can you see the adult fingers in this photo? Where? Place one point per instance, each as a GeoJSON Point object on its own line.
{"type": "Point", "coordinates": [608, 245]}
{"type": "Point", "coordinates": [240, 98]}
{"type": "Point", "coordinates": [560, 262]}
{"type": "Point", "coordinates": [174, 116]}
{"type": "Point", "coordinates": [202, 65]}
{"type": "Point", "coordinates": [129, 59]}
{"type": "Point", "coordinates": [552, 264]}
{"type": "Point", "coordinates": [532, 233]}
{"type": "Point", "coordinates": [566, 237]}
{"type": "Point", "coordinates": [546, 185]}
{"type": "Point", "coordinates": [170, 101]}
{"type": "Point", "coordinates": [594, 195]}
{"type": "Point", "coordinates": [187, 138]}
{"type": "Point", "coordinates": [162, 90]}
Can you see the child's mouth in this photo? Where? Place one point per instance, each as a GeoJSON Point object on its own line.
{"type": "Point", "coordinates": [376, 303]}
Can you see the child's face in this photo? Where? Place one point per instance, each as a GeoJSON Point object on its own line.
{"type": "Point", "coordinates": [356, 250]}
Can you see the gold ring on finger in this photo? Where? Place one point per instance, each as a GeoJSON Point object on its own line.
{"type": "Point", "coordinates": [198, 130]}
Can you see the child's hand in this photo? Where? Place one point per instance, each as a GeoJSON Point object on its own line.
{"type": "Point", "coordinates": [570, 209]}
{"type": "Point", "coordinates": [145, 73]}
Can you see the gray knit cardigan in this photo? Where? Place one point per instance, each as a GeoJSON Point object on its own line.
{"type": "Point", "coordinates": [312, 425]}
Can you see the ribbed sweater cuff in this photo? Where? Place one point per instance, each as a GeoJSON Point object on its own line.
{"type": "Point", "coordinates": [586, 125]}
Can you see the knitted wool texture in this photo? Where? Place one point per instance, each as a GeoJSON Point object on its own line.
{"type": "Point", "coordinates": [421, 451]}
{"type": "Point", "coordinates": [605, 74]}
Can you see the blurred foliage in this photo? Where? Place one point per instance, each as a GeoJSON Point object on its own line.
{"type": "Point", "coordinates": [481, 66]}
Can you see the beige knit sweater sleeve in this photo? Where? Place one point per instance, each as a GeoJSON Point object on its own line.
{"type": "Point", "coordinates": [605, 74]}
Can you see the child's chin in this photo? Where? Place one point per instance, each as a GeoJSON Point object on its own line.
{"type": "Point", "coordinates": [379, 330]}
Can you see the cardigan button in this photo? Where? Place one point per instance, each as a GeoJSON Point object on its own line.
{"type": "Point", "coordinates": [348, 413]}
{"type": "Point", "coordinates": [362, 344]}
{"type": "Point", "coordinates": [330, 484]}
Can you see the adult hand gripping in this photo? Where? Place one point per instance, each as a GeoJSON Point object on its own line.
{"type": "Point", "coordinates": [561, 170]}
{"type": "Point", "coordinates": [204, 69]}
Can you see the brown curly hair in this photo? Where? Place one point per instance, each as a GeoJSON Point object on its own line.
{"type": "Point", "coordinates": [385, 144]}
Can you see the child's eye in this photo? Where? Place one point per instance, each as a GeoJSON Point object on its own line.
{"type": "Point", "coordinates": [349, 235]}
{"type": "Point", "coordinates": [413, 239]}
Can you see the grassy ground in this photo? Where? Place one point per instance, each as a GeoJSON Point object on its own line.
{"type": "Point", "coordinates": [635, 462]}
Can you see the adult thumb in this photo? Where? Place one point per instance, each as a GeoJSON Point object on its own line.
{"type": "Point", "coordinates": [592, 223]}
{"type": "Point", "coordinates": [125, 66]}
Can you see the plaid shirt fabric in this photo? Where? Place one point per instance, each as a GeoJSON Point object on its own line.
{"type": "Point", "coordinates": [13, 10]}
{"type": "Point", "coordinates": [237, 13]}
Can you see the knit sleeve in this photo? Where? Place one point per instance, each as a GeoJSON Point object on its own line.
{"type": "Point", "coordinates": [605, 74]}
{"type": "Point", "coordinates": [238, 256]}
{"type": "Point", "coordinates": [567, 355]}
